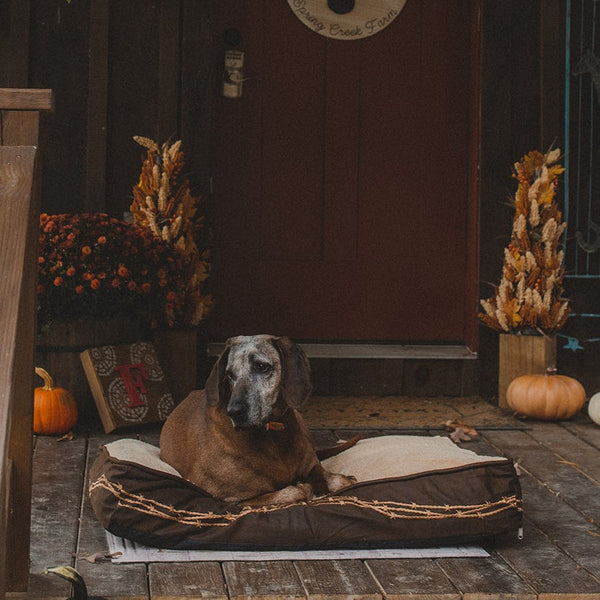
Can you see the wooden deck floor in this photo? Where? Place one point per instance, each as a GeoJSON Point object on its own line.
{"type": "Point", "coordinates": [559, 557]}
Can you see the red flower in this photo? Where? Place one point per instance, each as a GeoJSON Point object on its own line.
{"type": "Point", "coordinates": [95, 284]}
{"type": "Point", "coordinates": [79, 289]}
{"type": "Point", "coordinates": [71, 271]}
{"type": "Point", "coordinates": [131, 286]}
{"type": "Point", "coordinates": [146, 287]}
{"type": "Point", "coordinates": [86, 250]}
{"type": "Point", "coordinates": [122, 271]}
{"type": "Point", "coordinates": [58, 281]}
{"type": "Point", "coordinates": [116, 282]}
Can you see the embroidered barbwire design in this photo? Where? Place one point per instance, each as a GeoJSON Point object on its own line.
{"type": "Point", "coordinates": [389, 509]}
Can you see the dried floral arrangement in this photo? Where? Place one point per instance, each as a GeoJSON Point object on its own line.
{"type": "Point", "coordinates": [93, 265]}
{"type": "Point", "coordinates": [162, 203]}
{"type": "Point", "coordinates": [530, 294]}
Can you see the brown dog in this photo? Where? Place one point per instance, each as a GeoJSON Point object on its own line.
{"type": "Point", "coordinates": [241, 439]}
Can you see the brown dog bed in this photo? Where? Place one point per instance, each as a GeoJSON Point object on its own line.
{"type": "Point", "coordinates": [411, 491]}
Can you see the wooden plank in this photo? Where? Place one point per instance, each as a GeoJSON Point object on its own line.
{"type": "Point", "coordinates": [104, 579]}
{"type": "Point", "coordinates": [552, 76]}
{"type": "Point", "coordinates": [26, 99]}
{"type": "Point", "coordinates": [586, 431]}
{"type": "Point", "coordinates": [576, 535]}
{"type": "Point", "coordinates": [569, 448]}
{"type": "Point", "coordinates": [174, 581]}
{"type": "Point", "coordinates": [18, 264]}
{"type": "Point", "coordinates": [97, 100]}
{"type": "Point", "coordinates": [169, 36]}
{"type": "Point", "coordinates": [421, 579]}
{"type": "Point", "coordinates": [270, 580]}
{"type": "Point", "coordinates": [337, 580]}
{"type": "Point", "coordinates": [559, 476]}
{"type": "Point", "coordinates": [20, 128]}
{"type": "Point", "coordinates": [548, 570]}
{"type": "Point", "coordinates": [485, 579]}
{"type": "Point", "coordinates": [197, 85]}
{"type": "Point", "coordinates": [14, 43]}
{"type": "Point", "coordinates": [58, 471]}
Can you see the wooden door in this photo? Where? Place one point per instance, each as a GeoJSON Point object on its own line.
{"type": "Point", "coordinates": [342, 189]}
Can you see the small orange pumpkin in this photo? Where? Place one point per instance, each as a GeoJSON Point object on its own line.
{"type": "Point", "coordinates": [548, 397]}
{"type": "Point", "coordinates": [54, 409]}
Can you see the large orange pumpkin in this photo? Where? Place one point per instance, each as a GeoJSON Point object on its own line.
{"type": "Point", "coordinates": [548, 397]}
{"type": "Point", "coordinates": [54, 409]}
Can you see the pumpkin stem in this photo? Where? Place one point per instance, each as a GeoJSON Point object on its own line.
{"type": "Point", "coordinates": [48, 382]}
{"type": "Point", "coordinates": [551, 371]}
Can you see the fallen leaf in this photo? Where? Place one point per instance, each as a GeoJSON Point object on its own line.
{"type": "Point", "coordinates": [466, 429]}
{"type": "Point", "coordinates": [460, 435]}
{"type": "Point", "coordinates": [67, 437]}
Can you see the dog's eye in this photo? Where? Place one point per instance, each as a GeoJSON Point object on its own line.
{"type": "Point", "coordinates": [230, 375]}
{"type": "Point", "coordinates": [262, 367]}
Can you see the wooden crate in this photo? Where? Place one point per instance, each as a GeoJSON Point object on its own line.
{"type": "Point", "coordinates": [523, 355]}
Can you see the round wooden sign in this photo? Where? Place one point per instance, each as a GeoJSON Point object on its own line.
{"type": "Point", "coordinates": [346, 19]}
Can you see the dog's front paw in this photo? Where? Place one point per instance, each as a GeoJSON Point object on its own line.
{"type": "Point", "coordinates": [337, 481]}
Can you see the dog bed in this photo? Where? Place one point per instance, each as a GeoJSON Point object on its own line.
{"type": "Point", "coordinates": [411, 491]}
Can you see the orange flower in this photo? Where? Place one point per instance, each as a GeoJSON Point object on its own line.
{"type": "Point", "coordinates": [95, 284]}
{"type": "Point", "coordinates": [122, 271]}
{"type": "Point", "coordinates": [101, 240]}
{"type": "Point", "coordinates": [131, 285]}
{"type": "Point", "coordinates": [71, 271]}
{"type": "Point", "coordinates": [86, 250]}
{"type": "Point", "coordinates": [87, 276]}
{"type": "Point", "coordinates": [40, 289]}
{"type": "Point", "coordinates": [58, 281]}
{"type": "Point", "coordinates": [171, 296]}
{"type": "Point", "coordinates": [146, 287]}
{"type": "Point", "coordinates": [116, 282]}
{"type": "Point", "coordinates": [79, 289]}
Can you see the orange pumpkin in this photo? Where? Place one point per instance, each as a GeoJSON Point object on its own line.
{"type": "Point", "coordinates": [548, 397]}
{"type": "Point", "coordinates": [54, 409]}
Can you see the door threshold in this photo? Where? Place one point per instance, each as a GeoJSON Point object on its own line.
{"type": "Point", "coordinates": [376, 351]}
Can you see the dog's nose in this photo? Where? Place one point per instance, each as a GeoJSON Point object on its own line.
{"type": "Point", "coordinates": [236, 411]}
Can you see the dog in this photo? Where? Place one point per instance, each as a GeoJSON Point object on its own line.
{"type": "Point", "coordinates": [241, 439]}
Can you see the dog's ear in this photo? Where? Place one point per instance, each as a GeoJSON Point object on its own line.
{"type": "Point", "coordinates": [295, 369]}
{"type": "Point", "coordinates": [216, 384]}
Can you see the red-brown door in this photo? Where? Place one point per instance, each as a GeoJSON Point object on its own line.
{"type": "Point", "coordinates": [342, 178]}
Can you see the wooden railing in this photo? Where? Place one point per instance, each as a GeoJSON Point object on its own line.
{"type": "Point", "coordinates": [19, 217]}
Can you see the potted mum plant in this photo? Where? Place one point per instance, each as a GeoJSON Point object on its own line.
{"type": "Point", "coordinates": [528, 306]}
{"type": "Point", "coordinates": [101, 281]}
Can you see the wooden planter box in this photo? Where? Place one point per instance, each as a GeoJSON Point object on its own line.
{"type": "Point", "coordinates": [523, 355]}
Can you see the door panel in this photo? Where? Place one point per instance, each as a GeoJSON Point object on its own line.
{"type": "Point", "coordinates": [341, 178]}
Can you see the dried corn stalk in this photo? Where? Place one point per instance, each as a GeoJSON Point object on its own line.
{"type": "Point", "coordinates": [530, 293]}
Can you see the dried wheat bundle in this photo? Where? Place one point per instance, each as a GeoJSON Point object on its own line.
{"type": "Point", "coordinates": [530, 293]}
{"type": "Point", "coordinates": [162, 203]}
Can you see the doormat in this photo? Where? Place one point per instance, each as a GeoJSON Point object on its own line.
{"type": "Point", "coordinates": [405, 413]}
{"type": "Point", "coordinates": [125, 551]}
